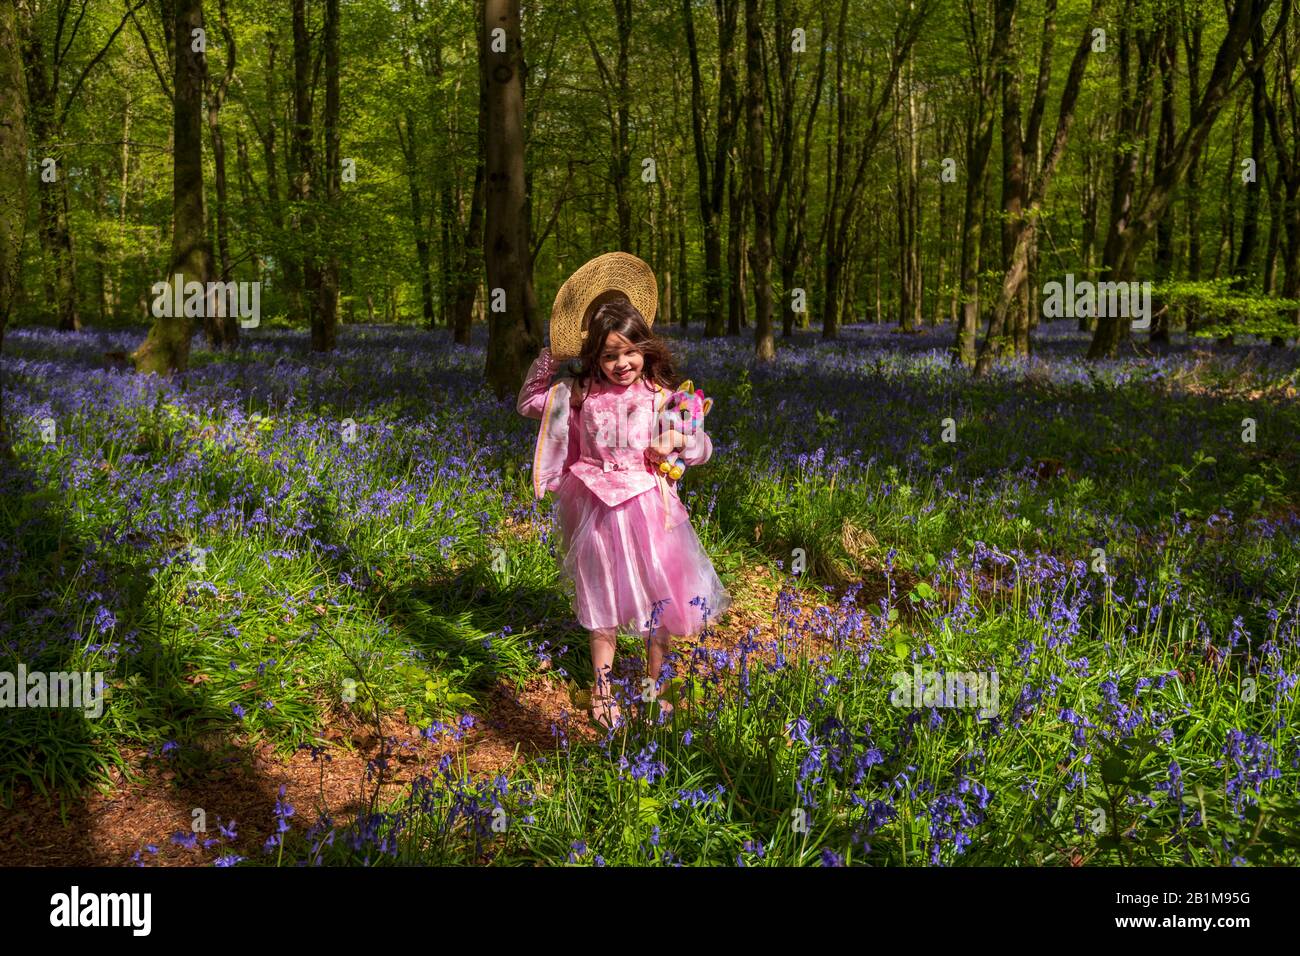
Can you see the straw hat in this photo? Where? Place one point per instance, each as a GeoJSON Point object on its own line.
{"type": "Point", "coordinates": [614, 275]}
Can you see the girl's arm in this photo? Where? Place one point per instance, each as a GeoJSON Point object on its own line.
{"type": "Point", "coordinates": [532, 397]}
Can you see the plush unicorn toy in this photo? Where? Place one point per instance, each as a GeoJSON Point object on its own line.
{"type": "Point", "coordinates": [684, 412]}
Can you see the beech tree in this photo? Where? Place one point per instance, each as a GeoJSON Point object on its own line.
{"type": "Point", "coordinates": [1134, 215]}
{"type": "Point", "coordinates": [761, 252]}
{"type": "Point", "coordinates": [1024, 188]}
{"type": "Point", "coordinates": [167, 347]}
{"type": "Point", "coordinates": [49, 31]}
{"type": "Point", "coordinates": [514, 337]}
{"type": "Point", "coordinates": [13, 181]}
{"type": "Point", "coordinates": [711, 172]}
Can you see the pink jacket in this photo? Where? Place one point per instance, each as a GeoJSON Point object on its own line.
{"type": "Point", "coordinates": [604, 446]}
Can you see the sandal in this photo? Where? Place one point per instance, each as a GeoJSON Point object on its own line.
{"type": "Point", "coordinates": [661, 696]}
{"type": "Point", "coordinates": [666, 707]}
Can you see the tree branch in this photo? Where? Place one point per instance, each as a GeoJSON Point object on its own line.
{"type": "Point", "coordinates": [76, 87]}
{"type": "Point", "coordinates": [162, 78]}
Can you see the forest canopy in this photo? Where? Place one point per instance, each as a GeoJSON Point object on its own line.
{"type": "Point", "coordinates": [777, 163]}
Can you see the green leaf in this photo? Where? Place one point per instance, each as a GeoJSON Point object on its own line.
{"type": "Point", "coordinates": [676, 690]}
{"type": "Point", "coordinates": [1114, 771]}
{"type": "Point", "coordinates": [900, 651]}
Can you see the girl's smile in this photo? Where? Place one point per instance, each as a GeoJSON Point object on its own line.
{"type": "Point", "coordinates": [621, 361]}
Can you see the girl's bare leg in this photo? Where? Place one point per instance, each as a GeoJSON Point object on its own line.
{"type": "Point", "coordinates": [603, 706]}
{"type": "Point", "coordinates": [657, 647]}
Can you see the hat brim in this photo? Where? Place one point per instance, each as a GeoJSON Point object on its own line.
{"type": "Point", "coordinates": [608, 276]}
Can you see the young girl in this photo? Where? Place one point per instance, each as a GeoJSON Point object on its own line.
{"type": "Point", "coordinates": [628, 547]}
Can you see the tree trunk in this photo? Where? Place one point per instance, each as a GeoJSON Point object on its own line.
{"type": "Point", "coordinates": [683, 287]}
{"type": "Point", "coordinates": [1000, 339]}
{"type": "Point", "coordinates": [410, 150]}
{"type": "Point", "coordinates": [1285, 137]}
{"type": "Point", "coordinates": [855, 149]}
{"type": "Point", "coordinates": [13, 183]}
{"type": "Point", "coordinates": [945, 306]}
{"type": "Point", "coordinates": [467, 276]}
{"type": "Point", "coordinates": [794, 241]}
{"type": "Point", "coordinates": [712, 184]}
{"type": "Point", "coordinates": [1254, 188]}
{"type": "Point", "coordinates": [289, 269]}
{"type": "Point", "coordinates": [760, 254]}
{"type": "Point", "coordinates": [448, 251]}
{"type": "Point", "coordinates": [167, 347]}
{"type": "Point", "coordinates": [909, 239]}
{"type": "Point", "coordinates": [1133, 223]}
{"type": "Point", "coordinates": [13, 162]}
{"type": "Point", "coordinates": [60, 269]}
{"type": "Point", "coordinates": [1272, 245]}
{"type": "Point", "coordinates": [618, 99]}
{"type": "Point", "coordinates": [1089, 202]}
{"type": "Point", "coordinates": [325, 318]}
{"type": "Point", "coordinates": [513, 341]}
{"type": "Point", "coordinates": [1022, 202]}
{"type": "Point", "coordinates": [1164, 148]}
{"type": "Point", "coordinates": [737, 246]}
{"type": "Point", "coordinates": [664, 222]}
{"type": "Point", "coordinates": [661, 229]}
{"type": "Point", "coordinates": [302, 187]}
{"type": "Point", "coordinates": [1192, 32]}
{"type": "Point", "coordinates": [979, 144]}
{"type": "Point", "coordinates": [99, 249]}
{"type": "Point", "coordinates": [878, 316]}
{"type": "Point", "coordinates": [222, 332]}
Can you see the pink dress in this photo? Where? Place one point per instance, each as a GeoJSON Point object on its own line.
{"type": "Point", "coordinates": [629, 551]}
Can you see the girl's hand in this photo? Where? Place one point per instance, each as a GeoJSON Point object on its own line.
{"type": "Point", "coordinates": [663, 446]}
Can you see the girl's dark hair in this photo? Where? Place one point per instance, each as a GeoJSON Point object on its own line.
{"type": "Point", "coordinates": [612, 312]}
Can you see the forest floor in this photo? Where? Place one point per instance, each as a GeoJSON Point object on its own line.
{"type": "Point", "coordinates": [241, 778]}
{"type": "Point", "coordinates": [241, 573]}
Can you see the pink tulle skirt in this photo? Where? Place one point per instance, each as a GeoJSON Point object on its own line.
{"type": "Point", "coordinates": [619, 562]}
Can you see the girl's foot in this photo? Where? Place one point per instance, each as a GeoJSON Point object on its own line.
{"type": "Point", "coordinates": [661, 699]}
{"type": "Point", "coordinates": [605, 711]}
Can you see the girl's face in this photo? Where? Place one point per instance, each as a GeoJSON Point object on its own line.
{"type": "Point", "coordinates": [620, 360]}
